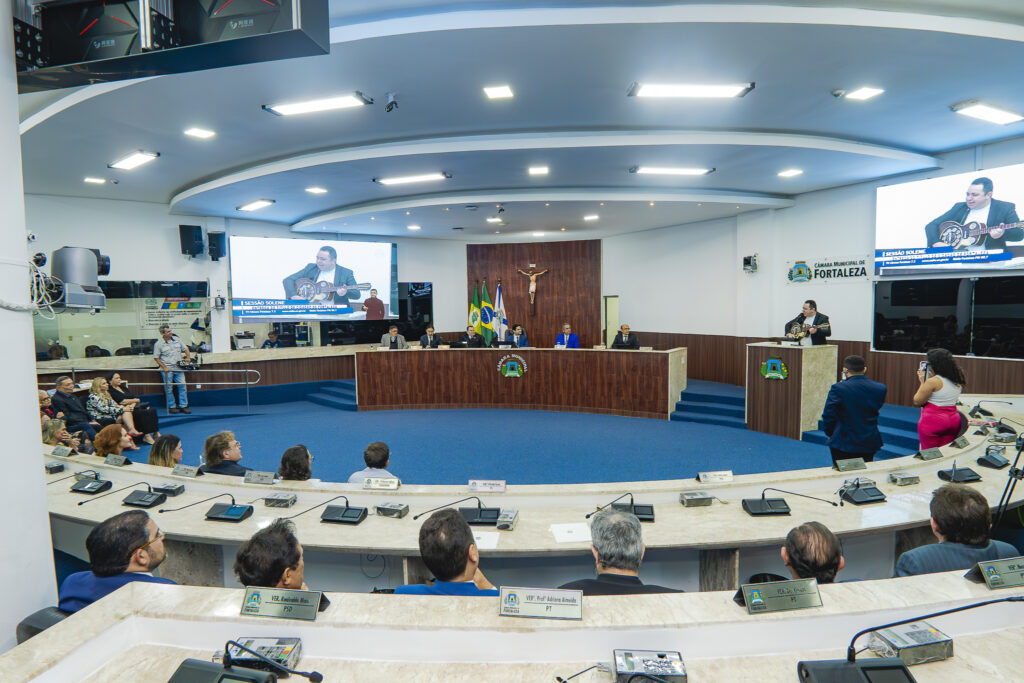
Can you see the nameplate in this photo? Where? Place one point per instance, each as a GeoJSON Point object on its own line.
{"type": "Point", "coordinates": [185, 471]}
{"type": "Point", "coordinates": [487, 485]}
{"type": "Point", "coordinates": [381, 483]}
{"type": "Point", "coordinates": [1007, 573]}
{"type": "Point", "coordinates": [61, 451]}
{"type": "Point", "coordinates": [929, 454]}
{"type": "Point", "coordinates": [781, 596]}
{"type": "Point", "coordinates": [444, 346]}
{"type": "Point", "coordinates": [961, 442]}
{"type": "Point", "coordinates": [851, 464]}
{"type": "Point", "coordinates": [254, 477]}
{"type": "Point", "coordinates": [281, 603]}
{"type": "Point", "coordinates": [116, 460]}
{"type": "Point", "coordinates": [717, 476]}
{"type": "Point", "coordinates": [540, 603]}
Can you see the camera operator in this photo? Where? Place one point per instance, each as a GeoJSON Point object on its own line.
{"type": "Point", "coordinates": [168, 353]}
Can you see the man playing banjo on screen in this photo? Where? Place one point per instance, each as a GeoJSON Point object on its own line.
{"type": "Point", "coordinates": [324, 281]}
{"type": "Point", "coordinates": [978, 223]}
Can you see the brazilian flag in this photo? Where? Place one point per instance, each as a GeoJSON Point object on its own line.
{"type": "Point", "coordinates": [474, 311]}
{"type": "Point", "coordinates": [486, 317]}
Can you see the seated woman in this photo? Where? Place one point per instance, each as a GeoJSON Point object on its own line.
{"type": "Point", "coordinates": [105, 410]}
{"type": "Point", "coordinates": [46, 412]}
{"type": "Point", "coordinates": [942, 382]}
{"type": "Point", "coordinates": [56, 433]}
{"type": "Point", "coordinates": [295, 464]}
{"type": "Point", "coordinates": [166, 451]}
{"type": "Point", "coordinates": [221, 454]}
{"type": "Point", "coordinates": [113, 440]}
{"type": "Point", "coordinates": [143, 414]}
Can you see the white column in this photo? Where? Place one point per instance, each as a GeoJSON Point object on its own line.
{"type": "Point", "coordinates": [26, 572]}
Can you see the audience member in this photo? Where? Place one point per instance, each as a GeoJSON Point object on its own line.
{"type": "Point", "coordinates": [961, 521]}
{"type": "Point", "coordinates": [618, 548]}
{"type": "Point", "coordinates": [113, 440]}
{"type": "Point", "coordinates": [105, 410]}
{"type": "Point", "coordinates": [144, 415]}
{"type": "Point", "coordinates": [296, 464]}
{"type": "Point", "coordinates": [54, 433]}
{"type": "Point", "coordinates": [221, 454]}
{"type": "Point", "coordinates": [272, 558]}
{"type": "Point", "coordinates": [942, 381]}
{"type": "Point", "coordinates": [46, 412]}
{"type": "Point", "coordinates": [75, 415]}
{"type": "Point", "coordinates": [125, 548]}
{"type": "Point", "coordinates": [449, 552]}
{"type": "Point", "coordinates": [812, 551]}
{"type": "Point", "coordinates": [850, 417]}
{"type": "Point", "coordinates": [166, 451]}
{"type": "Point", "coordinates": [272, 342]}
{"type": "Point", "coordinates": [376, 456]}
{"type": "Point", "coordinates": [57, 352]}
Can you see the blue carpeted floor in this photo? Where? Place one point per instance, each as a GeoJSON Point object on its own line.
{"type": "Point", "coordinates": [521, 446]}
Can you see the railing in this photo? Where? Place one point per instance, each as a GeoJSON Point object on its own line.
{"type": "Point", "coordinates": [246, 383]}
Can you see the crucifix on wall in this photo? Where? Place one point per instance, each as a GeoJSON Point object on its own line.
{"type": "Point", "coordinates": [533, 275]}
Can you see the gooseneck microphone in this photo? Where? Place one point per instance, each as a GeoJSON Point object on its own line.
{"type": "Point", "coordinates": [94, 473]}
{"type": "Point", "coordinates": [319, 505]}
{"type": "Point", "coordinates": [219, 495]}
{"type": "Point", "coordinates": [150, 488]}
{"type": "Point", "coordinates": [602, 507]}
{"type": "Point", "coordinates": [479, 505]}
{"type": "Point", "coordinates": [978, 410]}
{"type": "Point", "coordinates": [314, 676]}
{"type": "Point", "coordinates": [803, 495]}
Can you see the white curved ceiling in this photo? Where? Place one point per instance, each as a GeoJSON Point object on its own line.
{"type": "Point", "coordinates": [570, 112]}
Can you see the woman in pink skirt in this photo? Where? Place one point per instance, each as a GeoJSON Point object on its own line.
{"type": "Point", "coordinates": [942, 382]}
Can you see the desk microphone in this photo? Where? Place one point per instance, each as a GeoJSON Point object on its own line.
{"type": "Point", "coordinates": [759, 507]}
{"type": "Point", "coordinates": [219, 495]}
{"type": "Point", "coordinates": [83, 502]}
{"type": "Point", "coordinates": [978, 410]}
{"type": "Point", "coordinates": [803, 495]}
{"type": "Point", "coordinates": [602, 507]}
{"type": "Point", "coordinates": [317, 506]}
{"type": "Point", "coordinates": [94, 473]}
{"type": "Point", "coordinates": [1005, 428]}
{"type": "Point", "coordinates": [314, 676]}
{"type": "Point", "coordinates": [479, 505]}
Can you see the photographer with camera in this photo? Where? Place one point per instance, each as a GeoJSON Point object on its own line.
{"type": "Point", "coordinates": [168, 352]}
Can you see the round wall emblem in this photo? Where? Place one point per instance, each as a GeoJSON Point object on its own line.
{"type": "Point", "coordinates": [512, 365]}
{"type": "Point", "coordinates": [774, 368]}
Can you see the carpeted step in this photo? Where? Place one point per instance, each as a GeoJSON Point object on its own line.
{"type": "Point", "coordinates": [347, 393]}
{"type": "Point", "coordinates": [330, 401]}
{"type": "Point", "coordinates": [712, 409]}
{"type": "Point", "coordinates": [722, 421]}
{"type": "Point", "coordinates": [172, 419]}
{"type": "Point", "coordinates": [900, 437]}
{"type": "Point", "coordinates": [893, 445]}
{"type": "Point", "coordinates": [899, 423]}
{"type": "Point", "coordinates": [702, 397]}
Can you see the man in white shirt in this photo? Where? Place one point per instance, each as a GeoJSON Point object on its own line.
{"type": "Point", "coordinates": [978, 206]}
{"type": "Point", "coordinates": [326, 269]}
{"type": "Point", "coordinates": [376, 456]}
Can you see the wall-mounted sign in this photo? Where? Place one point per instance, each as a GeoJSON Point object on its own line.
{"type": "Point", "coordinates": [828, 270]}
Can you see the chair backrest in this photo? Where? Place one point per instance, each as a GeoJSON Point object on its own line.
{"type": "Point", "coordinates": [37, 622]}
{"type": "Point", "coordinates": [964, 424]}
{"type": "Point", "coordinates": [124, 351]}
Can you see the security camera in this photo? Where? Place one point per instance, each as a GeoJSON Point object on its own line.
{"type": "Point", "coordinates": [30, 236]}
{"type": "Point", "coordinates": [391, 103]}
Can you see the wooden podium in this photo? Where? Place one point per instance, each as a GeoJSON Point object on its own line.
{"type": "Point", "coordinates": [787, 386]}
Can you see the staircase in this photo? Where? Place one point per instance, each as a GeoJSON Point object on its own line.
{"type": "Point", "coordinates": [711, 403]}
{"type": "Point", "coordinates": [898, 425]}
{"type": "Point", "coordinates": [339, 394]}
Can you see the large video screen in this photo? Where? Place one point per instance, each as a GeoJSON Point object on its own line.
{"type": "Point", "coordinates": [283, 279]}
{"type": "Point", "coordinates": [951, 223]}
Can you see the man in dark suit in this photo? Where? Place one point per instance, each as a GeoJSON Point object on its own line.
{"type": "Point", "coordinates": [625, 340]}
{"type": "Point", "coordinates": [517, 336]}
{"type": "Point", "coordinates": [326, 268]}
{"type": "Point", "coordinates": [430, 340]}
{"type": "Point", "coordinates": [813, 324]}
{"type": "Point", "coordinates": [618, 548]}
{"type": "Point", "coordinates": [471, 339]}
{"type": "Point", "coordinates": [979, 206]}
{"type": "Point", "coordinates": [75, 416]}
{"type": "Point", "coordinates": [851, 410]}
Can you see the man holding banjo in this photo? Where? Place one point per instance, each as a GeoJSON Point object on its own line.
{"type": "Point", "coordinates": [324, 282]}
{"type": "Point", "coordinates": [977, 223]}
{"type": "Point", "coordinates": [810, 327]}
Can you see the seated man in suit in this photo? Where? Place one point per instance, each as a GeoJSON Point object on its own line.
{"type": "Point", "coordinates": [326, 269]}
{"type": "Point", "coordinates": [812, 551]}
{"type": "Point", "coordinates": [517, 336]}
{"type": "Point", "coordinates": [625, 340]}
{"type": "Point", "coordinates": [75, 415]}
{"type": "Point", "coordinates": [221, 454]}
{"type": "Point", "coordinates": [813, 326]}
{"type": "Point", "coordinates": [272, 558]}
{"type": "Point", "coordinates": [377, 456]}
{"type": "Point", "coordinates": [430, 340]}
{"type": "Point", "coordinates": [393, 340]}
{"type": "Point", "coordinates": [618, 548]}
{"type": "Point", "coordinates": [851, 411]}
{"type": "Point", "coordinates": [962, 521]}
{"type": "Point", "coordinates": [471, 339]}
{"type": "Point", "coordinates": [449, 552]}
{"type": "Point", "coordinates": [125, 548]}
{"type": "Point", "coordinates": [568, 338]}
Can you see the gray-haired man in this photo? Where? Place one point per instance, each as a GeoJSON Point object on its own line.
{"type": "Point", "coordinates": [167, 351]}
{"type": "Point", "coordinates": [618, 549]}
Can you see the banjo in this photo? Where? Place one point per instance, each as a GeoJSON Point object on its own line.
{"type": "Point", "coordinates": [971, 234]}
{"type": "Point", "coordinates": [323, 291]}
{"type": "Point", "coordinates": [800, 331]}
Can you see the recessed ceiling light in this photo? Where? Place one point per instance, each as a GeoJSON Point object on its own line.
{"type": "Point", "coordinates": [650, 203]}
{"type": "Point", "coordinates": [373, 218]}
{"type": "Point", "coordinates": [864, 93]}
{"type": "Point", "coordinates": [685, 90]}
{"type": "Point", "coordinates": [447, 209]}
{"type": "Point", "coordinates": [547, 203]}
{"type": "Point", "coordinates": [200, 133]}
{"type": "Point", "coordinates": [497, 232]}
{"type": "Point", "coordinates": [493, 219]}
{"type": "Point", "coordinates": [134, 160]}
{"type": "Point", "coordinates": [538, 234]}
{"type": "Point", "coordinates": [591, 217]}
{"type": "Point", "coordinates": [986, 112]}
{"type": "Point", "coordinates": [256, 205]}
{"type": "Point", "coordinates": [316, 190]}
{"type": "Point", "coordinates": [563, 229]}
{"type": "Point", "coordinates": [538, 170]}
{"type": "Point", "coordinates": [94, 181]}
{"type": "Point", "coordinates": [401, 180]}
{"type": "Point", "coordinates": [408, 213]}
{"type": "Point", "coordinates": [670, 170]}
{"type": "Point", "coordinates": [413, 227]}
{"type": "Point", "coordinates": [356, 99]}
{"type": "Point", "coordinates": [790, 173]}
{"type": "Point", "coordinates": [497, 92]}
{"type": "Point", "coordinates": [601, 204]}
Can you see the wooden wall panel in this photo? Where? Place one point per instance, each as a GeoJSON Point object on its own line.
{"type": "Point", "coordinates": [615, 383]}
{"type": "Point", "coordinates": [569, 292]}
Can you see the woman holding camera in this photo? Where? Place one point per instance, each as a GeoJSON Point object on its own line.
{"type": "Point", "coordinates": [942, 382]}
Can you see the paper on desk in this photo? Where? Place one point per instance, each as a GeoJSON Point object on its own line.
{"type": "Point", "coordinates": [486, 540]}
{"type": "Point", "coordinates": [577, 532]}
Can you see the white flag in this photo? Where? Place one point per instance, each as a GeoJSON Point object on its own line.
{"type": "Point", "coordinates": [499, 323]}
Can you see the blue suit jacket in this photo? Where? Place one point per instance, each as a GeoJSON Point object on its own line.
{"type": "Point", "coordinates": [84, 588]}
{"type": "Point", "coordinates": [572, 343]}
{"type": "Point", "coordinates": [445, 588]}
{"type": "Point", "coordinates": [851, 415]}
{"type": "Point", "coordinates": [523, 341]}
